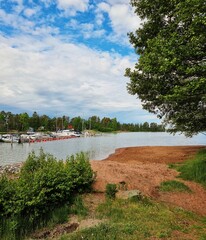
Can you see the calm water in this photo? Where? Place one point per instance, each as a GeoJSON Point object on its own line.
{"type": "Point", "coordinates": [98, 147]}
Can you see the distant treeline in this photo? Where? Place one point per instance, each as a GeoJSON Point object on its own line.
{"type": "Point", "coordinates": [23, 122]}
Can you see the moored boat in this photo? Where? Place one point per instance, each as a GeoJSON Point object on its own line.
{"type": "Point", "coordinates": [9, 138]}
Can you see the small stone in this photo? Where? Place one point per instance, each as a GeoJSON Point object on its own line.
{"type": "Point", "coordinates": [129, 194]}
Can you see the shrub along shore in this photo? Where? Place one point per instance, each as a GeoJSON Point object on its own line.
{"type": "Point", "coordinates": [41, 193]}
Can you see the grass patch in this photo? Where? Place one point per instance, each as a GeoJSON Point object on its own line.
{"type": "Point", "coordinates": [194, 169]}
{"type": "Point", "coordinates": [174, 165]}
{"type": "Point", "coordinates": [134, 220]}
{"type": "Point", "coordinates": [174, 186]}
{"type": "Point", "coordinates": [78, 207]}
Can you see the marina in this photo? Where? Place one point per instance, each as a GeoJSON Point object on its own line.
{"type": "Point", "coordinates": [33, 137]}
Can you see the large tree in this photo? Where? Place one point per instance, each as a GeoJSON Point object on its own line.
{"type": "Point", "coordinates": [170, 75]}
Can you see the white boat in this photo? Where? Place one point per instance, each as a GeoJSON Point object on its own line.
{"type": "Point", "coordinates": [66, 133]}
{"type": "Point", "coordinates": [9, 138]}
{"type": "Point", "coordinates": [27, 137]}
{"type": "Point", "coordinates": [71, 133]}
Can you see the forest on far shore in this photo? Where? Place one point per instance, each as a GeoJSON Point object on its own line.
{"type": "Point", "coordinates": [23, 122]}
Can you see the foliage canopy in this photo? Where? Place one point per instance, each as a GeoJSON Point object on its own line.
{"type": "Point", "coordinates": [23, 122]}
{"type": "Point", "coordinates": [170, 76]}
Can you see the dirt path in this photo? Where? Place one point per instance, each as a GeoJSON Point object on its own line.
{"type": "Point", "coordinates": [144, 168]}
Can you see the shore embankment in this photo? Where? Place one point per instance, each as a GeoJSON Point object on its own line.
{"type": "Point", "coordinates": [144, 168]}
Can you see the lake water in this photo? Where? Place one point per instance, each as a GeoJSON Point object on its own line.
{"type": "Point", "coordinates": [98, 147]}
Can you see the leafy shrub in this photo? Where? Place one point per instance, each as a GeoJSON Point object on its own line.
{"type": "Point", "coordinates": [43, 187]}
{"type": "Point", "coordinates": [7, 196]}
{"type": "Point", "coordinates": [80, 172]}
{"type": "Point", "coordinates": [111, 190]}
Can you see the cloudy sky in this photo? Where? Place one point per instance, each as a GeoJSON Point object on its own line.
{"type": "Point", "coordinates": [68, 57]}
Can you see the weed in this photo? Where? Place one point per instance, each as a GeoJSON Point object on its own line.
{"type": "Point", "coordinates": [111, 190]}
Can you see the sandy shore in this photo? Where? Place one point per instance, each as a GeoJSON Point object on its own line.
{"type": "Point", "coordinates": [144, 168]}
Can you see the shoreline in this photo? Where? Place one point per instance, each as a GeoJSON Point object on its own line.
{"type": "Point", "coordinates": [144, 168]}
{"type": "Point", "coordinates": [126, 154]}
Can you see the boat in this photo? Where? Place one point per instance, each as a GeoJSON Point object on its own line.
{"type": "Point", "coordinates": [66, 133]}
{"type": "Point", "coordinates": [9, 138]}
{"type": "Point", "coordinates": [71, 133]}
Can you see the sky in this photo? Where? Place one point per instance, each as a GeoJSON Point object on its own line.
{"type": "Point", "coordinates": [68, 57]}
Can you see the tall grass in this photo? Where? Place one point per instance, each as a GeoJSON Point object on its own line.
{"type": "Point", "coordinates": [19, 226]}
{"type": "Point", "coordinates": [195, 169]}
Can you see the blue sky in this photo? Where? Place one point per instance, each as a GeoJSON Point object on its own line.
{"type": "Point", "coordinates": [68, 57]}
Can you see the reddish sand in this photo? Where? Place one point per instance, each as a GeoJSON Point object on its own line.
{"type": "Point", "coordinates": [144, 168]}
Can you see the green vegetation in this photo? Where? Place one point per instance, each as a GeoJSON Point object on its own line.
{"type": "Point", "coordinates": [111, 190]}
{"type": "Point", "coordinates": [22, 122]}
{"type": "Point", "coordinates": [78, 208]}
{"type": "Point", "coordinates": [174, 186]}
{"type": "Point", "coordinates": [194, 169]}
{"type": "Point", "coordinates": [42, 194]}
{"type": "Point", "coordinates": [135, 220]}
{"type": "Point", "coordinates": [170, 75]}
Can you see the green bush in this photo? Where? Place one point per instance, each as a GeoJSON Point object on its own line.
{"type": "Point", "coordinates": [44, 185]}
{"type": "Point", "coordinates": [80, 172]}
{"type": "Point", "coordinates": [7, 196]}
{"type": "Point", "coordinates": [111, 190]}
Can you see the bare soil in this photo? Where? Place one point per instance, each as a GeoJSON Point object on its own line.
{"type": "Point", "coordinates": [144, 168]}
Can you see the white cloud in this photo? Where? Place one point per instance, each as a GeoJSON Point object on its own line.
{"type": "Point", "coordinates": [18, 7]}
{"type": "Point", "coordinates": [50, 75]}
{"type": "Point", "coordinates": [122, 18]}
{"type": "Point", "coordinates": [28, 12]}
{"type": "Point", "coordinates": [114, 2]}
{"type": "Point", "coordinates": [72, 6]}
{"type": "Point", "coordinates": [87, 26]}
{"type": "Point", "coordinates": [45, 30]}
{"type": "Point", "coordinates": [20, 2]}
{"type": "Point", "coordinates": [99, 18]}
{"type": "Point", "coordinates": [47, 3]}
{"type": "Point", "coordinates": [87, 30]}
{"type": "Point", "coordinates": [16, 21]}
{"type": "Point", "coordinates": [45, 70]}
{"type": "Point", "coordinates": [103, 6]}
